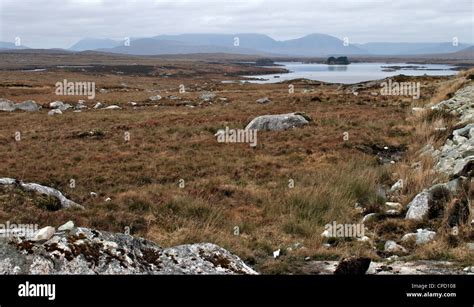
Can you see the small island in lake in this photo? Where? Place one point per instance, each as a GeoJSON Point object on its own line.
{"type": "Point", "coordinates": [343, 60]}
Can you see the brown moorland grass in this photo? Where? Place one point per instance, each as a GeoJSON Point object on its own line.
{"type": "Point", "coordinates": [225, 185]}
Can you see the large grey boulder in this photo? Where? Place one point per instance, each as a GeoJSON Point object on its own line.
{"type": "Point", "coordinates": [419, 206]}
{"type": "Point", "coordinates": [87, 251]}
{"type": "Point", "coordinates": [207, 96]}
{"type": "Point", "coordinates": [59, 105]}
{"type": "Point", "coordinates": [435, 196]}
{"type": "Point", "coordinates": [28, 106]}
{"type": "Point", "coordinates": [7, 105]}
{"type": "Point", "coordinates": [279, 122]}
{"type": "Point", "coordinates": [422, 236]}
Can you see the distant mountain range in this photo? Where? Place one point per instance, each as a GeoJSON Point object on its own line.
{"type": "Point", "coordinates": [255, 44]}
{"type": "Point", "coordinates": [7, 45]}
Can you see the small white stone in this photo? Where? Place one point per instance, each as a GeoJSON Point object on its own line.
{"type": "Point", "coordinates": [54, 112]}
{"type": "Point", "coordinates": [363, 239]}
{"type": "Point", "coordinates": [67, 226]}
{"type": "Point", "coordinates": [99, 105]}
{"type": "Point", "coordinates": [112, 107]}
{"type": "Point", "coordinates": [276, 253]}
{"type": "Point", "coordinates": [393, 205]}
{"type": "Point", "coordinates": [397, 186]}
{"type": "Point", "coordinates": [108, 199]}
{"type": "Point", "coordinates": [369, 217]}
{"type": "Point", "coordinates": [44, 234]}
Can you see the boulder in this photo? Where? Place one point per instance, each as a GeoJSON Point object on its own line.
{"type": "Point", "coordinates": [44, 234]}
{"type": "Point", "coordinates": [7, 105]}
{"type": "Point", "coordinates": [263, 100]}
{"type": "Point", "coordinates": [155, 98]}
{"type": "Point", "coordinates": [353, 266]}
{"type": "Point", "coordinates": [421, 236]}
{"type": "Point", "coordinates": [394, 206]}
{"type": "Point", "coordinates": [207, 96]}
{"type": "Point", "coordinates": [69, 225]}
{"type": "Point", "coordinates": [397, 186]}
{"type": "Point", "coordinates": [112, 107]}
{"type": "Point", "coordinates": [369, 217]}
{"type": "Point", "coordinates": [393, 247]}
{"type": "Point", "coordinates": [88, 251]}
{"type": "Point", "coordinates": [34, 187]}
{"type": "Point", "coordinates": [432, 202]}
{"type": "Point", "coordinates": [418, 208]}
{"type": "Point", "coordinates": [279, 122]}
{"type": "Point", "coordinates": [99, 105]}
{"type": "Point", "coordinates": [55, 112]}
{"type": "Point", "coordinates": [28, 106]}
{"type": "Point", "coordinates": [59, 105]}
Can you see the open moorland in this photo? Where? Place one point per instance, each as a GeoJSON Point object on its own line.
{"type": "Point", "coordinates": [154, 166]}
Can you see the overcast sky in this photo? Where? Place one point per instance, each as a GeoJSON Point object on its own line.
{"type": "Point", "coordinates": [61, 23]}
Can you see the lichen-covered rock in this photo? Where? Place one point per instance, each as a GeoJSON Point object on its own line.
{"type": "Point", "coordinates": [419, 206]}
{"type": "Point", "coordinates": [421, 236]}
{"type": "Point", "coordinates": [461, 104]}
{"type": "Point", "coordinates": [87, 251]}
{"type": "Point", "coordinates": [456, 157]}
{"type": "Point", "coordinates": [432, 202]}
{"type": "Point", "coordinates": [278, 122]}
{"type": "Point", "coordinates": [28, 106]}
{"type": "Point", "coordinates": [9, 106]}
{"type": "Point", "coordinates": [393, 247]}
{"type": "Point", "coordinates": [44, 234]}
{"type": "Point", "coordinates": [207, 96]}
{"type": "Point", "coordinates": [41, 189]}
{"type": "Point", "coordinates": [59, 105]}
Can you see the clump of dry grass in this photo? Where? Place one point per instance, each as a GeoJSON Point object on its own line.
{"type": "Point", "coordinates": [447, 88]}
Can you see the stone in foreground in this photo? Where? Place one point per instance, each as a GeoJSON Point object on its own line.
{"type": "Point", "coordinates": [87, 251]}
{"type": "Point", "coordinates": [352, 266]}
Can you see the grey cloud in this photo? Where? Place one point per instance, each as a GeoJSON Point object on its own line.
{"type": "Point", "coordinates": [60, 23]}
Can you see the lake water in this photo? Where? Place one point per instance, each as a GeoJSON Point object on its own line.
{"type": "Point", "coordinates": [352, 73]}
